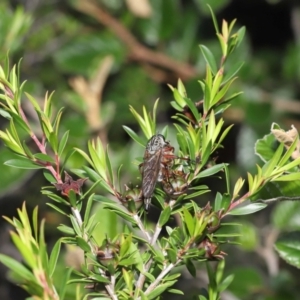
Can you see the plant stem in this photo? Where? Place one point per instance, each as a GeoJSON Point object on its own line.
{"type": "Point", "coordinates": [238, 202]}
{"type": "Point", "coordinates": [40, 146]}
{"type": "Point", "coordinates": [142, 277]}
{"type": "Point", "coordinates": [109, 287]}
{"type": "Point", "coordinates": [142, 228]}
{"type": "Point", "coordinates": [156, 234]}
{"type": "Point", "coordinates": [279, 199]}
{"type": "Point", "coordinates": [163, 273]}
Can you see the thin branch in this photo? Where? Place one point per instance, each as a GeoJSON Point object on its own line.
{"type": "Point", "coordinates": [41, 146]}
{"type": "Point", "coordinates": [142, 277]}
{"type": "Point", "coordinates": [267, 252]}
{"type": "Point", "coordinates": [32, 134]}
{"type": "Point", "coordinates": [109, 287]}
{"type": "Point", "coordinates": [156, 234]}
{"type": "Point", "coordinates": [163, 273]}
{"type": "Point", "coordinates": [91, 92]}
{"type": "Point", "coordinates": [142, 228]}
{"type": "Point", "coordinates": [279, 199]}
{"type": "Point", "coordinates": [237, 202]}
{"type": "Point", "coordinates": [137, 50]}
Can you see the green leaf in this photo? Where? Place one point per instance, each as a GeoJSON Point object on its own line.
{"type": "Point", "coordinates": [176, 106]}
{"type": "Point", "coordinates": [127, 278]}
{"type": "Point", "coordinates": [288, 248]}
{"type": "Point", "coordinates": [48, 176]}
{"type": "Point", "coordinates": [211, 276]}
{"type": "Point", "coordinates": [288, 166]}
{"type": "Point", "coordinates": [288, 177]}
{"type": "Point", "coordinates": [17, 268]}
{"type": "Point", "coordinates": [213, 18]}
{"type": "Point", "coordinates": [230, 98]}
{"type": "Point", "coordinates": [175, 291]}
{"type": "Point", "coordinates": [44, 157]}
{"type": "Point", "coordinates": [75, 224]}
{"type": "Point", "coordinates": [22, 164]}
{"type": "Point", "coordinates": [63, 285]}
{"type": "Point", "coordinates": [164, 216]}
{"type": "Point", "coordinates": [35, 222]}
{"type": "Point", "coordinates": [18, 120]}
{"type": "Point", "coordinates": [225, 283]}
{"type": "Point", "coordinates": [211, 170]}
{"type": "Point", "coordinates": [264, 147]}
{"type": "Point", "coordinates": [125, 246]}
{"type": "Point", "coordinates": [207, 90]}
{"type": "Point", "coordinates": [83, 244]}
{"type": "Point", "coordinates": [198, 193]}
{"type": "Point", "coordinates": [5, 114]}
{"type": "Point", "coordinates": [53, 141]}
{"type": "Point", "coordinates": [33, 102]}
{"type": "Point", "coordinates": [88, 207]}
{"type": "Point", "coordinates": [179, 98]}
{"type": "Point", "coordinates": [56, 208]}
{"type": "Point", "coordinates": [218, 202]}
{"type": "Point", "coordinates": [248, 209]}
{"type": "Point", "coordinates": [48, 112]}
{"type": "Point", "coordinates": [66, 229]}
{"type": "Point", "coordinates": [114, 207]}
{"type": "Point", "coordinates": [232, 71]}
{"type": "Point", "coordinates": [13, 79]}
{"type": "Point", "coordinates": [273, 162]}
{"type": "Point", "coordinates": [24, 250]}
{"type": "Point", "coordinates": [159, 290]}
{"type": "Point", "coordinates": [172, 255]}
{"type": "Point", "coordinates": [209, 58]}
{"type": "Point", "coordinates": [27, 150]}
{"type": "Point", "coordinates": [285, 216]}
{"type": "Point", "coordinates": [220, 93]}
{"type": "Point", "coordinates": [54, 257]}
{"type": "Point", "coordinates": [193, 108]}
{"type": "Point", "coordinates": [189, 221]}
{"type": "Point", "coordinates": [109, 167]}
{"type": "Point", "coordinates": [191, 267]}
{"type": "Point", "coordinates": [134, 136]}
{"type": "Point", "coordinates": [240, 35]}
{"type": "Point", "coordinates": [84, 155]}
{"type": "Point", "coordinates": [55, 197]}
{"type": "Point", "coordinates": [91, 174]}
{"type": "Point", "coordinates": [172, 277]}
{"type": "Point", "coordinates": [226, 199]}
{"type": "Point", "coordinates": [63, 143]}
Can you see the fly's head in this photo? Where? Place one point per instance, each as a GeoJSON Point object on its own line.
{"type": "Point", "coordinates": [156, 143]}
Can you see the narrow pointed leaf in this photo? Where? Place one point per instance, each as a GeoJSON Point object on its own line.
{"type": "Point", "coordinates": [54, 257]}
{"type": "Point", "coordinates": [209, 58]}
{"type": "Point", "coordinates": [22, 164]}
{"type": "Point", "coordinates": [248, 209]}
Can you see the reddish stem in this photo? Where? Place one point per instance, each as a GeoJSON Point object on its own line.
{"type": "Point", "coordinates": [237, 202]}
{"type": "Point", "coordinates": [42, 148]}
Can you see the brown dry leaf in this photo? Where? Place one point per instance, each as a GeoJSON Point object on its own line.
{"type": "Point", "coordinates": [141, 8]}
{"type": "Point", "coordinates": [287, 138]}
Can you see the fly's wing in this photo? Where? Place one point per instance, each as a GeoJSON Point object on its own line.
{"type": "Point", "coordinates": [151, 170]}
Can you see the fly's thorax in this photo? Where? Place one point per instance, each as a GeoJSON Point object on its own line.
{"type": "Point", "coordinates": [156, 143]}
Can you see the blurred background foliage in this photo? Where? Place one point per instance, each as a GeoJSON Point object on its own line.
{"type": "Point", "coordinates": [102, 56]}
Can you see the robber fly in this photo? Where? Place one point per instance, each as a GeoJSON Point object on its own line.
{"type": "Point", "coordinates": [158, 159]}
